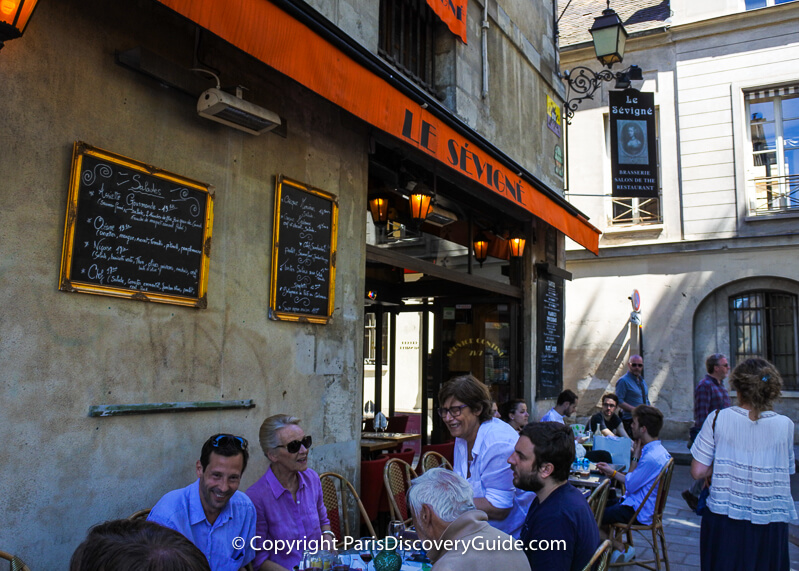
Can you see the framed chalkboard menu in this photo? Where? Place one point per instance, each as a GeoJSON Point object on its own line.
{"type": "Point", "coordinates": [550, 337]}
{"type": "Point", "coordinates": [303, 253]}
{"type": "Point", "coordinates": [135, 231]}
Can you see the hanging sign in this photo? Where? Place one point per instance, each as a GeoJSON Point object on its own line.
{"type": "Point", "coordinates": [633, 148]}
{"type": "Point", "coordinates": [453, 14]}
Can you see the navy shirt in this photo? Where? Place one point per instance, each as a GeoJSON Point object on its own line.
{"type": "Point", "coordinates": [564, 515]}
{"type": "Point", "coordinates": [599, 421]}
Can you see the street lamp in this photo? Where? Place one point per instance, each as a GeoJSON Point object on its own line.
{"type": "Point", "coordinates": [14, 17]}
{"type": "Point", "coordinates": [609, 38]}
{"type": "Point", "coordinates": [420, 201]}
{"type": "Point", "coordinates": [378, 206]}
{"type": "Point", "coordinates": [481, 248]}
{"type": "Point", "coordinates": [516, 244]}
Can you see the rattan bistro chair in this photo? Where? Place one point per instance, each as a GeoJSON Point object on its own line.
{"type": "Point", "coordinates": [432, 459]}
{"type": "Point", "coordinates": [336, 490]}
{"type": "Point", "coordinates": [620, 530]}
{"type": "Point", "coordinates": [141, 514]}
{"type": "Point", "coordinates": [598, 499]}
{"type": "Point", "coordinates": [600, 557]}
{"type": "Point", "coordinates": [397, 476]}
{"type": "Point", "coordinates": [17, 564]}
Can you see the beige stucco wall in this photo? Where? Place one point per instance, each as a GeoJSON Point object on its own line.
{"type": "Point", "coordinates": [62, 353]}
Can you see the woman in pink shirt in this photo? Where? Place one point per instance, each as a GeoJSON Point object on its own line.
{"type": "Point", "coordinates": [288, 498]}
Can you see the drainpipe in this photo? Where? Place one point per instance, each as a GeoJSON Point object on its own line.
{"type": "Point", "coordinates": [485, 49]}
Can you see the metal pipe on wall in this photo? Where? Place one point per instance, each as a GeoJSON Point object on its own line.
{"type": "Point", "coordinates": [484, 26]}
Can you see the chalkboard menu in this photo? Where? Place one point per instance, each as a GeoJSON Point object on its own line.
{"type": "Point", "coordinates": [135, 231]}
{"type": "Point", "coordinates": [550, 337]}
{"type": "Point", "coordinates": [303, 253]}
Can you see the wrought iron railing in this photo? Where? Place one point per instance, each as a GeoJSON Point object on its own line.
{"type": "Point", "coordinates": [774, 194]}
{"type": "Point", "coordinates": [629, 211]}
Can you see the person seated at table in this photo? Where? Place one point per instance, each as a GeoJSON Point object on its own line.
{"type": "Point", "coordinates": [606, 422]}
{"type": "Point", "coordinates": [288, 497]}
{"type": "Point", "coordinates": [566, 405]}
{"type": "Point", "coordinates": [541, 462]}
{"type": "Point", "coordinates": [132, 545]}
{"type": "Point", "coordinates": [211, 512]}
{"type": "Point", "coordinates": [649, 458]}
{"type": "Point", "coordinates": [514, 412]}
{"type": "Point", "coordinates": [482, 447]}
{"type": "Point", "coordinates": [495, 410]}
{"type": "Point", "coordinates": [444, 513]}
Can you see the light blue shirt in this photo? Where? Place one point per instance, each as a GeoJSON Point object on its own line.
{"type": "Point", "coordinates": [630, 391]}
{"type": "Point", "coordinates": [182, 511]}
{"type": "Point", "coordinates": [553, 416]}
{"type": "Point", "coordinates": [653, 459]}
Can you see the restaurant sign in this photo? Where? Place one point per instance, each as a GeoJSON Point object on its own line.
{"type": "Point", "coordinates": [633, 146]}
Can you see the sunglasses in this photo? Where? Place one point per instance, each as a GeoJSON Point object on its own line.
{"type": "Point", "coordinates": [225, 439]}
{"type": "Point", "coordinates": [294, 446]}
{"type": "Point", "coordinates": [636, 365]}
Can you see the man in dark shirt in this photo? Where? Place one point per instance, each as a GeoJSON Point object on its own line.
{"type": "Point", "coordinates": [559, 516]}
{"type": "Point", "coordinates": [607, 422]}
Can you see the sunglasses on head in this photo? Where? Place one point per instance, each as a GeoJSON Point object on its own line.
{"type": "Point", "coordinates": [294, 446]}
{"type": "Point", "coordinates": [224, 439]}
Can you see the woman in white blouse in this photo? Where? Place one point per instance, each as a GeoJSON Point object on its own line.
{"type": "Point", "coordinates": [750, 455]}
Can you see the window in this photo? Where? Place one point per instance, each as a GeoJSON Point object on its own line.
{"type": "Point", "coordinates": [773, 183]}
{"type": "Point", "coordinates": [370, 339]}
{"type": "Point", "coordinates": [406, 39]}
{"type": "Point", "coordinates": [763, 324]}
{"type": "Point", "coordinates": [752, 4]}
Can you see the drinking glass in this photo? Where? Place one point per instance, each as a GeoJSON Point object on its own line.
{"type": "Point", "coordinates": [341, 562]}
{"type": "Point", "coordinates": [365, 552]}
{"type": "Point", "coordinates": [396, 529]}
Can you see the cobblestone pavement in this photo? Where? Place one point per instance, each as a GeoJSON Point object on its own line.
{"type": "Point", "coordinates": [682, 529]}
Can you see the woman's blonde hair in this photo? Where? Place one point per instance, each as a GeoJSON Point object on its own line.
{"type": "Point", "coordinates": [267, 436]}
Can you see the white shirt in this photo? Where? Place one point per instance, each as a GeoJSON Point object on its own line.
{"type": "Point", "coordinates": [553, 416]}
{"type": "Point", "coordinates": [752, 463]}
{"type": "Point", "coordinates": [491, 477]}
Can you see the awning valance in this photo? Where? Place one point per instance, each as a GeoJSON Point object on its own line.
{"type": "Point", "coordinates": [269, 34]}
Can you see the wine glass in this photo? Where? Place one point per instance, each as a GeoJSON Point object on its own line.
{"type": "Point", "coordinates": [365, 550]}
{"type": "Point", "coordinates": [396, 529]}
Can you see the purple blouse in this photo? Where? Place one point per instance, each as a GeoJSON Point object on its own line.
{"type": "Point", "coordinates": [280, 517]}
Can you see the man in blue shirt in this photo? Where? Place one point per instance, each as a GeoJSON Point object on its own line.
{"type": "Point", "coordinates": [559, 515]}
{"type": "Point", "coordinates": [632, 390]}
{"type": "Point", "coordinates": [211, 512]}
{"type": "Point", "coordinates": [649, 458]}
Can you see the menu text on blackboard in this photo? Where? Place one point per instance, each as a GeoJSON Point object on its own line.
{"type": "Point", "coordinates": [549, 355]}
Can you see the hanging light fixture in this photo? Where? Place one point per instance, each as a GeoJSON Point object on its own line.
{"type": "Point", "coordinates": [481, 248]}
{"type": "Point", "coordinates": [516, 244]}
{"type": "Point", "coordinates": [609, 37]}
{"type": "Point", "coordinates": [421, 201]}
{"type": "Point", "coordinates": [14, 17]}
{"type": "Point", "coordinates": [378, 206]}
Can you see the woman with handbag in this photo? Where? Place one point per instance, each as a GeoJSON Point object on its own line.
{"type": "Point", "coordinates": [750, 455]}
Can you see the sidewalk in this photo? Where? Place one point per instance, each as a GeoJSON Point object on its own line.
{"type": "Point", "coordinates": [681, 525]}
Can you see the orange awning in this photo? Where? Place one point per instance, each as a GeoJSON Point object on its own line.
{"type": "Point", "coordinates": [269, 34]}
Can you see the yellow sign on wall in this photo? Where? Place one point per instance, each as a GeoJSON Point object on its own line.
{"type": "Point", "coordinates": [553, 116]}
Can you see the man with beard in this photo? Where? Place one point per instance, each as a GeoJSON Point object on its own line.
{"type": "Point", "coordinates": [560, 513]}
{"type": "Point", "coordinates": [211, 512]}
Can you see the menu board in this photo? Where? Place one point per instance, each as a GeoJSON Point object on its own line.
{"type": "Point", "coordinates": [303, 253]}
{"type": "Point", "coordinates": [135, 231]}
{"type": "Point", "coordinates": [550, 337]}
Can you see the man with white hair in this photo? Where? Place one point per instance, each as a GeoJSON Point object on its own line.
{"type": "Point", "coordinates": [443, 512]}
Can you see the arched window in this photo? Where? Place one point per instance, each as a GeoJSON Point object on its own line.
{"type": "Point", "coordinates": [763, 324]}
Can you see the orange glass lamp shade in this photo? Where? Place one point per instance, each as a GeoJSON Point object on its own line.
{"type": "Point", "coordinates": [516, 244]}
{"type": "Point", "coordinates": [378, 206]}
{"type": "Point", "coordinates": [14, 17]}
{"type": "Point", "coordinates": [421, 202]}
{"type": "Point", "coordinates": [481, 248]}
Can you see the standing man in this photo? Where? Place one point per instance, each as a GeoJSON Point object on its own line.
{"type": "Point", "coordinates": [541, 462]}
{"type": "Point", "coordinates": [211, 512]}
{"type": "Point", "coordinates": [566, 405]}
{"type": "Point", "coordinates": [632, 390]}
{"type": "Point", "coordinates": [709, 395]}
{"type": "Point", "coordinates": [649, 458]}
{"type": "Point", "coordinates": [606, 422]}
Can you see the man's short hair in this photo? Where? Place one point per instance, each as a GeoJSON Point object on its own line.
{"type": "Point", "coordinates": [650, 418]}
{"type": "Point", "coordinates": [136, 545]}
{"type": "Point", "coordinates": [224, 445]}
{"type": "Point", "coordinates": [448, 494]}
{"type": "Point", "coordinates": [554, 444]}
{"type": "Point", "coordinates": [610, 396]}
{"type": "Point", "coordinates": [712, 361]}
{"type": "Point", "coordinates": [470, 391]}
{"type": "Point", "coordinates": [567, 396]}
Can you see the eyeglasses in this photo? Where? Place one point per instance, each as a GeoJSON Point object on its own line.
{"type": "Point", "coordinates": [609, 404]}
{"type": "Point", "coordinates": [224, 439]}
{"type": "Point", "coordinates": [454, 411]}
{"type": "Point", "coordinates": [294, 446]}
{"type": "Point", "coordinates": [636, 365]}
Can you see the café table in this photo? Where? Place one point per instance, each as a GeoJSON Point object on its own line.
{"type": "Point", "coordinates": [372, 446]}
{"type": "Point", "coordinates": [395, 437]}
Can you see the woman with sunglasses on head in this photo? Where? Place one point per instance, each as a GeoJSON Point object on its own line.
{"type": "Point", "coordinates": [483, 445]}
{"type": "Point", "coordinates": [288, 498]}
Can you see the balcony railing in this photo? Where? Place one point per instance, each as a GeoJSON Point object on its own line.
{"type": "Point", "coordinates": [630, 211]}
{"type": "Point", "coordinates": [774, 194]}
